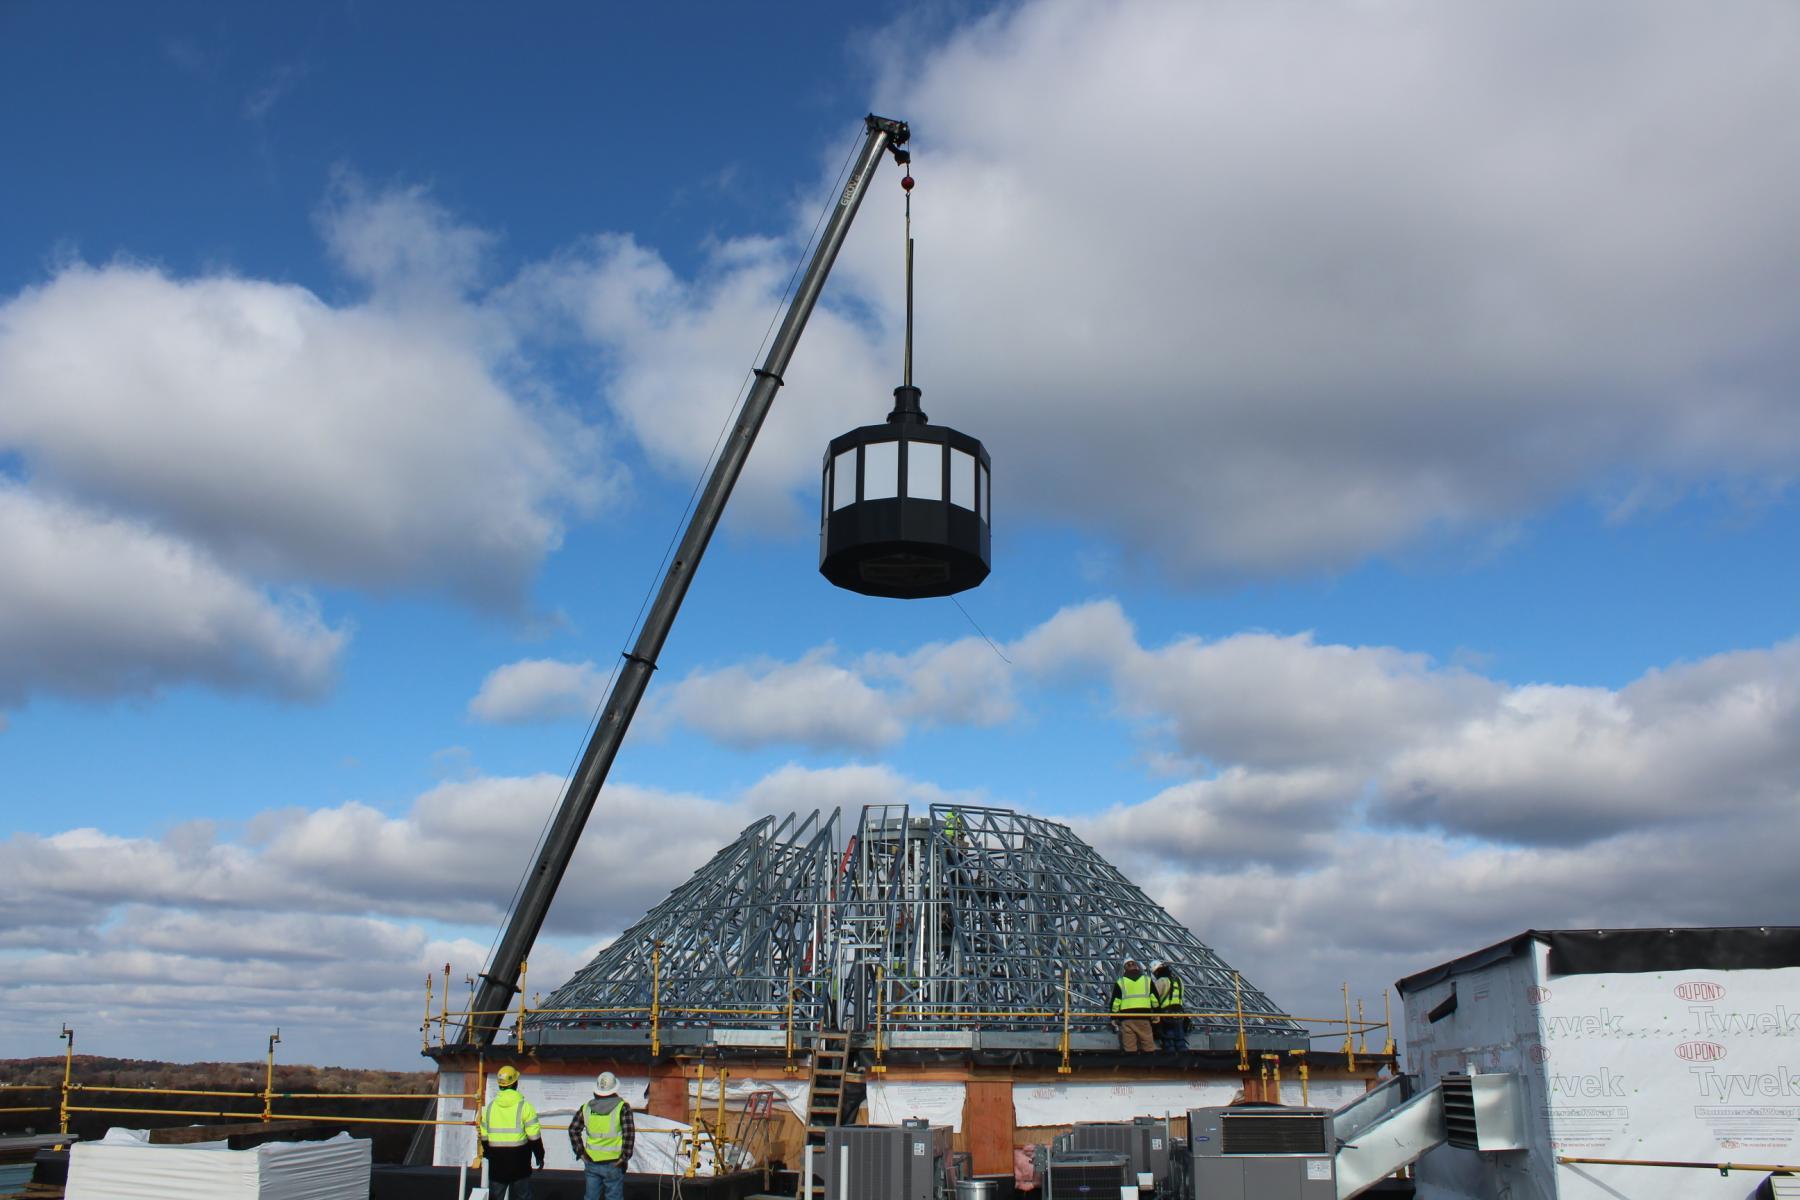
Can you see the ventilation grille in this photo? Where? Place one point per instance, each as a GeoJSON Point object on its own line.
{"type": "Point", "coordinates": [1117, 1139]}
{"type": "Point", "coordinates": [1262, 1133]}
{"type": "Point", "coordinates": [1459, 1111]}
{"type": "Point", "coordinates": [876, 1162]}
{"type": "Point", "coordinates": [1087, 1177]}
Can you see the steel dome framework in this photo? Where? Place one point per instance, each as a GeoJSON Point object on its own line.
{"type": "Point", "coordinates": [953, 921]}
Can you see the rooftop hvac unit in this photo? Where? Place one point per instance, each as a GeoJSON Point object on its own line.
{"type": "Point", "coordinates": [1252, 1152]}
{"type": "Point", "coordinates": [1087, 1175]}
{"type": "Point", "coordinates": [1144, 1143]}
{"type": "Point", "coordinates": [882, 1162]}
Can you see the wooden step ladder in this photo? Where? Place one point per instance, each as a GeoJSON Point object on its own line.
{"type": "Point", "coordinates": [825, 1099]}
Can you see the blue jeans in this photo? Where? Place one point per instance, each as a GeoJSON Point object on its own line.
{"type": "Point", "coordinates": [1171, 1033]}
{"type": "Point", "coordinates": [518, 1189]}
{"type": "Point", "coordinates": [608, 1175]}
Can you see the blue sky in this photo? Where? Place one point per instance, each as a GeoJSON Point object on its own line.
{"type": "Point", "coordinates": [1394, 426]}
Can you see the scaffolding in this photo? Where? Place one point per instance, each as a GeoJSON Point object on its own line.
{"type": "Point", "coordinates": [929, 928]}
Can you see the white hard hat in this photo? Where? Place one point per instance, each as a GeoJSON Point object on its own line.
{"type": "Point", "coordinates": [1157, 965]}
{"type": "Point", "coordinates": [606, 1084]}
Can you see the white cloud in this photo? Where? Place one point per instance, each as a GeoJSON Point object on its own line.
{"type": "Point", "coordinates": [964, 682]}
{"type": "Point", "coordinates": [402, 245]}
{"type": "Point", "coordinates": [1239, 816]}
{"type": "Point", "coordinates": [1352, 732]}
{"type": "Point", "coordinates": [679, 351]}
{"type": "Point", "coordinates": [1378, 907]}
{"type": "Point", "coordinates": [814, 701]}
{"type": "Point", "coordinates": [325, 921]}
{"type": "Point", "coordinates": [372, 444]}
{"type": "Point", "coordinates": [848, 788]}
{"type": "Point", "coordinates": [1272, 859]}
{"type": "Point", "coordinates": [197, 442]}
{"type": "Point", "coordinates": [1273, 702]}
{"type": "Point", "coordinates": [1260, 289]}
{"type": "Point", "coordinates": [1718, 737]}
{"type": "Point", "coordinates": [96, 606]}
{"type": "Point", "coordinates": [538, 689]}
{"type": "Point", "coordinates": [1283, 739]}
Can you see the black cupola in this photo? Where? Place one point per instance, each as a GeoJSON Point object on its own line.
{"type": "Point", "coordinates": [906, 506]}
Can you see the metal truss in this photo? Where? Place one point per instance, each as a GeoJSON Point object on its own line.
{"type": "Point", "coordinates": [729, 938]}
{"type": "Point", "coordinates": [959, 919]}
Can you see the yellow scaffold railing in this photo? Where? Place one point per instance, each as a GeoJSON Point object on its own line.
{"type": "Point", "coordinates": [7, 1088]}
{"type": "Point", "coordinates": [1355, 1023]}
{"type": "Point", "coordinates": [248, 1106]}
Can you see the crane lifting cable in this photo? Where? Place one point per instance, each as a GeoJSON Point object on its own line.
{"type": "Point", "coordinates": [499, 983]}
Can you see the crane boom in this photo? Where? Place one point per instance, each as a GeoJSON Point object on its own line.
{"type": "Point", "coordinates": [500, 981]}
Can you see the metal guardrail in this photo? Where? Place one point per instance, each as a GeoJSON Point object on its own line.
{"type": "Point", "coordinates": [71, 1091]}
{"type": "Point", "coordinates": [25, 1087]}
{"type": "Point", "coordinates": [261, 1105]}
{"type": "Point", "coordinates": [1356, 1029]}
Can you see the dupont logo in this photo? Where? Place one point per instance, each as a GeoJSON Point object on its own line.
{"type": "Point", "coordinates": [1538, 1053]}
{"type": "Point", "coordinates": [1700, 1051]}
{"type": "Point", "coordinates": [1537, 995]}
{"type": "Point", "coordinates": [1699, 991]}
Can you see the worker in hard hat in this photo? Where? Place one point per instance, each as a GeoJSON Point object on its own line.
{"type": "Point", "coordinates": [953, 826]}
{"type": "Point", "coordinates": [601, 1134]}
{"type": "Point", "coordinates": [1133, 1003]}
{"type": "Point", "coordinates": [511, 1139]}
{"type": "Point", "coordinates": [1171, 1018]}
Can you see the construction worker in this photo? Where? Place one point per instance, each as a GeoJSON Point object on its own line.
{"type": "Point", "coordinates": [601, 1134]}
{"type": "Point", "coordinates": [1133, 1001]}
{"type": "Point", "coordinates": [1171, 1031]}
{"type": "Point", "coordinates": [511, 1139]}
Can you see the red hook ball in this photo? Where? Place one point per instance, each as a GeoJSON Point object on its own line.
{"type": "Point", "coordinates": [906, 183]}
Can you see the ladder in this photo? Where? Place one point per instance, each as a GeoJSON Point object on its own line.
{"type": "Point", "coordinates": [750, 1139]}
{"type": "Point", "coordinates": [825, 1100]}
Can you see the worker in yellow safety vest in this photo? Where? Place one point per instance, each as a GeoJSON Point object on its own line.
{"type": "Point", "coordinates": [511, 1139]}
{"type": "Point", "coordinates": [1133, 1000]}
{"type": "Point", "coordinates": [601, 1135]}
{"type": "Point", "coordinates": [1171, 1018]}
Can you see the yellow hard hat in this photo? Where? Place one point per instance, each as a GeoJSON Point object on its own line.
{"type": "Point", "coordinates": [508, 1076]}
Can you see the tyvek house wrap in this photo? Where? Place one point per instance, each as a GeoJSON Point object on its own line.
{"type": "Point", "coordinates": [125, 1166]}
{"type": "Point", "coordinates": [1668, 1045]}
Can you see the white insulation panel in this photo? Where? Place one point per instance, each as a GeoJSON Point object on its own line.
{"type": "Point", "coordinates": [123, 1167]}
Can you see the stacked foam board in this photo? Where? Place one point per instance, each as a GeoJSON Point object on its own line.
{"type": "Point", "coordinates": [125, 1166]}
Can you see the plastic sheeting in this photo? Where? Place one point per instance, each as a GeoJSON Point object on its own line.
{"type": "Point", "coordinates": [939, 1103]}
{"type": "Point", "coordinates": [557, 1097]}
{"type": "Point", "coordinates": [1037, 1104]}
{"type": "Point", "coordinates": [662, 1147]}
{"type": "Point", "coordinates": [126, 1167]}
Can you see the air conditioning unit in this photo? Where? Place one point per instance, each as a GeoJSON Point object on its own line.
{"type": "Point", "coordinates": [1144, 1142]}
{"type": "Point", "coordinates": [1262, 1152]}
{"type": "Point", "coordinates": [886, 1162]}
{"type": "Point", "coordinates": [1087, 1175]}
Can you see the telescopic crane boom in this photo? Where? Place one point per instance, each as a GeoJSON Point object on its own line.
{"type": "Point", "coordinates": [500, 981]}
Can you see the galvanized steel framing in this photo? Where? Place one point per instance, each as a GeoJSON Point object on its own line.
{"type": "Point", "coordinates": [959, 919]}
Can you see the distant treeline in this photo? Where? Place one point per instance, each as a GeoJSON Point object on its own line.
{"type": "Point", "coordinates": [100, 1071]}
